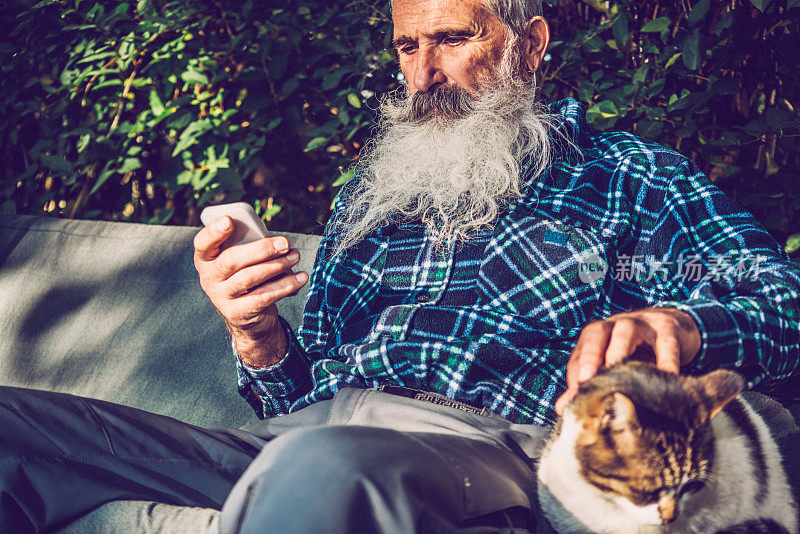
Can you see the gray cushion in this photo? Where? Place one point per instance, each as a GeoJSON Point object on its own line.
{"type": "Point", "coordinates": [114, 311]}
{"type": "Point", "coordinates": [125, 517]}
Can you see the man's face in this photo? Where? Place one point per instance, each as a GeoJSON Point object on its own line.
{"type": "Point", "coordinates": [448, 43]}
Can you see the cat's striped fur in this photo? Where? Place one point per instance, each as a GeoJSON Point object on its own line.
{"type": "Point", "coordinates": [640, 450]}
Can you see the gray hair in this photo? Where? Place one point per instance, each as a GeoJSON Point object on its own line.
{"type": "Point", "coordinates": [515, 14]}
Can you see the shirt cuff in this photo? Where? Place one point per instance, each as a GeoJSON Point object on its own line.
{"type": "Point", "coordinates": [278, 384]}
{"type": "Point", "coordinates": [725, 342]}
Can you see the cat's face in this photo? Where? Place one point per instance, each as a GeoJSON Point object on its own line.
{"type": "Point", "coordinates": [645, 437]}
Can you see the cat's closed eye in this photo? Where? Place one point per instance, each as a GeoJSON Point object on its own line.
{"type": "Point", "coordinates": [693, 486]}
{"type": "Point", "coordinates": [644, 498]}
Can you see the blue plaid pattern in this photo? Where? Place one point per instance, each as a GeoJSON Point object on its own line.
{"type": "Point", "coordinates": [491, 321]}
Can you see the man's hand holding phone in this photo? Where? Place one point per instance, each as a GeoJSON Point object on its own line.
{"type": "Point", "coordinates": [244, 281]}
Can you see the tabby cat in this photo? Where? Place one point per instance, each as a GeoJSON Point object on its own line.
{"type": "Point", "coordinates": [639, 450]}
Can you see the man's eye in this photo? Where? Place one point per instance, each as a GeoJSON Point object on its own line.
{"type": "Point", "coordinates": [407, 49]}
{"type": "Point", "coordinates": [453, 41]}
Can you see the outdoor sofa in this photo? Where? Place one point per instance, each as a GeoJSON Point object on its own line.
{"type": "Point", "coordinates": [114, 311]}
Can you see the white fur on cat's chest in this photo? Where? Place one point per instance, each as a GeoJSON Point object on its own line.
{"type": "Point", "coordinates": [729, 498]}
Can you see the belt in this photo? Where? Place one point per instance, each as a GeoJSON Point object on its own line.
{"type": "Point", "coordinates": [434, 398]}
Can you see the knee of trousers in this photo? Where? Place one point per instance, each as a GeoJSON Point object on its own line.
{"type": "Point", "coordinates": [24, 430]}
{"type": "Point", "coordinates": [345, 479]}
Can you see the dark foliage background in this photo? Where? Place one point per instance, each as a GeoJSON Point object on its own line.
{"type": "Point", "coordinates": [151, 109]}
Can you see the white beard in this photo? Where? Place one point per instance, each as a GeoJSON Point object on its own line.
{"type": "Point", "coordinates": [453, 174]}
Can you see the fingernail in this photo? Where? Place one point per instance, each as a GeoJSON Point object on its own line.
{"type": "Point", "coordinates": [293, 255]}
{"type": "Point", "coordinates": [301, 277]}
{"type": "Point", "coordinates": [281, 244]}
{"type": "Point", "coordinates": [585, 373]}
{"type": "Point", "coordinates": [223, 224]}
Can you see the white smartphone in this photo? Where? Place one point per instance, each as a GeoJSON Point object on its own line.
{"type": "Point", "coordinates": [247, 226]}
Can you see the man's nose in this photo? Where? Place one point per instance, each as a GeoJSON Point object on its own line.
{"type": "Point", "coordinates": [428, 72]}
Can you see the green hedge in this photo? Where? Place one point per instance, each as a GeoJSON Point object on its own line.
{"type": "Point", "coordinates": [147, 111]}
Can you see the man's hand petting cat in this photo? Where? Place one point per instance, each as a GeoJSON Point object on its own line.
{"type": "Point", "coordinates": [244, 282]}
{"type": "Point", "coordinates": [670, 334]}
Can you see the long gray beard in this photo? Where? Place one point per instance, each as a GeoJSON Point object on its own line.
{"type": "Point", "coordinates": [455, 170]}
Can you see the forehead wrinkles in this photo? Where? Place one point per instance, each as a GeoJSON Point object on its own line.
{"type": "Point", "coordinates": [413, 17]}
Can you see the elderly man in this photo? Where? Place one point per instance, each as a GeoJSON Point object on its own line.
{"type": "Point", "coordinates": [461, 293]}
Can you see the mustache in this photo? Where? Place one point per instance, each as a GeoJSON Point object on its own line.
{"type": "Point", "coordinates": [450, 102]}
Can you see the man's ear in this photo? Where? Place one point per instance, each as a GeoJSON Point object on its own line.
{"type": "Point", "coordinates": [535, 41]}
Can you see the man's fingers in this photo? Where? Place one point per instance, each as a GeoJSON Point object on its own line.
{"type": "Point", "coordinates": [564, 399]}
{"type": "Point", "coordinates": [208, 240]}
{"type": "Point", "coordinates": [589, 353]}
{"type": "Point", "coordinates": [236, 258]}
{"type": "Point", "coordinates": [625, 337]}
{"type": "Point", "coordinates": [586, 359]}
{"type": "Point", "coordinates": [667, 331]}
{"type": "Point", "coordinates": [253, 276]}
{"type": "Point", "coordinates": [274, 291]}
{"type": "Point", "coordinates": [245, 309]}
{"type": "Point", "coordinates": [668, 352]}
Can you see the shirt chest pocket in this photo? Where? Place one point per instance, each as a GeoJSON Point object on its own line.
{"type": "Point", "coordinates": [548, 269]}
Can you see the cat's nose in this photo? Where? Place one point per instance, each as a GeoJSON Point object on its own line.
{"type": "Point", "coordinates": [667, 509]}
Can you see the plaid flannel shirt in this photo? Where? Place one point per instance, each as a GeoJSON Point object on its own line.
{"type": "Point", "coordinates": [491, 321]}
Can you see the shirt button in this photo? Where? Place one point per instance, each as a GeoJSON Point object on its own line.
{"type": "Point", "coordinates": [423, 297]}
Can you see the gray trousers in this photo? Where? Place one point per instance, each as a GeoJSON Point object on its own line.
{"type": "Point", "coordinates": [367, 461]}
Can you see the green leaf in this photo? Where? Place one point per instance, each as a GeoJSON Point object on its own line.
{"type": "Point", "coordinates": [146, 8]}
{"type": "Point", "coordinates": [274, 123]}
{"type": "Point", "coordinates": [315, 143]}
{"type": "Point", "coordinates": [189, 135]}
{"type": "Point", "coordinates": [192, 76]}
{"type": "Point", "coordinates": [95, 57]}
{"type": "Point", "coordinates": [271, 211]}
{"type": "Point", "coordinates": [792, 243]}
{"type": "Point", "coordinates": [620, 29]}
{"type": "Point", "coordinates": [57, 164]}
{"type": "Point", "coordinates": [649, 129]}
{"type": "Point", "coordinates": [641, 74]}
{"type": "Point", "coordinates": [692, 52]}
{"type": "Point", "coordinates": [130, 164]}
{"type": "Point", "coordinates": [344, 178]}
{"type": "Point", "coordinates": [108, 83]}
{"type": "Point", "coordinates": [97, 12]}
{"type": "Point", "coordinates": [103, 178]}
{"type": "Point", "coordinates": [156, 105]}
{"type": "Point", "coordinates": [354, 100]}
{"type": "Point", "coordinates": [655, 88]}
{"type": "Point", "coordinates": [760, 4]}
{"type": "Point", "coordinates": [333, 78]}
{"type": "Point", "coordinates": [671, 61]}
{"type": "Point", "coordinates": [289, 88]}
{"type": "Point", "coordinates": [605, 109]}
{"type": "Point", "coordinates": [122, 10]}
{"type": "Point", "coordinates": [659, 25]}
{"type": "Point", "coordinates": [698, 12]}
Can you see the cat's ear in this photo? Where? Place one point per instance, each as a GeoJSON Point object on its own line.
{"type": "Point", "coordinates": [613, 413]}
{"type": "Point", "coordinates": [720, 387]}
{"type": "Point", "coordinates": [618, 413]}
